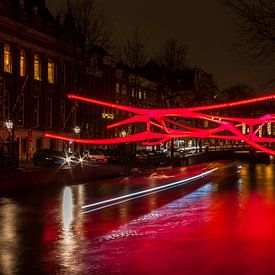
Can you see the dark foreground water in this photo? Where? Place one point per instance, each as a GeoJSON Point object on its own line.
{"type": "Point", "coordinates": [222, 225]}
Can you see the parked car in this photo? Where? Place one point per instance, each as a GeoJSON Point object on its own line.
{"type": "Point", "coordinates": [112, 155]}
{"type": "Point", "coordinates": [145, 154]}
{"type": "Point", "coordinates": [48, 157]}
{"type": "Point", "coordinates": [95, 156]}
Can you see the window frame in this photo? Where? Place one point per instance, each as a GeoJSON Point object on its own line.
{"type": "Point", "coordinates": [51, 70]}
{"type": "Point", "coordinates": [37, 67]}
{"type": "Point", "coordinates": [22, 63]}
{"type": "Point", "coordinates": [7, 58]}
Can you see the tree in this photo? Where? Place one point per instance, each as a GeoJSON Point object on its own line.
{"type": "Point", "coordinates": [91, 23]}
{"type": "Point", "coordinates": [256, 26]}
{"type": "Point", "coordinates": [133, 50]}
{"type": "Point", "coordinates": [134, 57]}
{"type": "Point", "coordinates": [132, 54]}
{"type": "Point", "coordinates": [172, 56]}
{"type": "Point", "coordinates": [236, 93]}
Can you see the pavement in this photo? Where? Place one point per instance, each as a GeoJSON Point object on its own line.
{"type": "Point", "coordinates": [28, 175]}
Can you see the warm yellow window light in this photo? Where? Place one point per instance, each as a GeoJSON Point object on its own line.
{"type": "Point", "coordinates": [22, 63]}
{"type": "Point", "coordinates": [50, 71]}
{"type": "Point", "coordinates": [7, 59]}
{"type": "Point", "coordinates": [37, 67]}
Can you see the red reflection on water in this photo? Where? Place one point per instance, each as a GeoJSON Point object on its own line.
{"type": "Point", "coordinates": [224, 227]}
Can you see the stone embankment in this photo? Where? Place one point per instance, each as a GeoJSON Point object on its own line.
{"type": "Point", "coordinates": [23, 178]}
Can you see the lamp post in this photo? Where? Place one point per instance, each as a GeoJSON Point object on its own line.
{"type": "Point", "coordinates": [77, 132]}
{"type": "Point", "coordinates": [10, 127]}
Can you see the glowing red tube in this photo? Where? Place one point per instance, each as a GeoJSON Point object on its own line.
{"type": "Point", "coordinates": [150, 137]}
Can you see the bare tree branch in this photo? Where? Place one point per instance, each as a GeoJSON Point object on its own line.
{"type": "Point", "coordinates": [173, 55]}
{"type": "Point", "coordinates": [256, 26]}
{"type": "Point", "coordinates": [133, 50]}
{"type": "Point", "coordinates": [92, 23]}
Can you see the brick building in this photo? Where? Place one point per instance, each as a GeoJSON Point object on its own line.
{"type": "Point", "coordinates": [41, 60]}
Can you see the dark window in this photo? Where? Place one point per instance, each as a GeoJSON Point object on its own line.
{"type": "Point", "coordinates": [24, 145]}
{"type": "Point", "coordinates": [39, 142]}
{"type": "Point", "coordinates": [35, 111]}
{"type": "Point", "coordinates": [63, 74]}
{"type": "Point", "coordinates": [50, 113]}
{"type": "Point", "coordinates": [52, 144]}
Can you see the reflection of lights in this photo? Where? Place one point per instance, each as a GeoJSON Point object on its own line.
{"type": "Point", "coordinates": [8, 238]}
{"type": "Point", "coordinates": [67, 207]}
{"type": "Point", "coordinates": [143, 193]}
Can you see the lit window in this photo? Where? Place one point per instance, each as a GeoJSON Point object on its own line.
{"type": "Point", "coordinates": [22, 63]}
{"type": "Point", "coordinates": [124, 89]}
{"type": "Point", "coordinates": [244, 129]}
{"type": "Point", "coordinates": [7, 59]}
{"type": "Point", "coordinates": [117, 88]}
{"type": "Point", "coordinates": [37, 67]}
{"type": "Point", "coordinates": [269, 128]}
{"type": "Point", "coordinates": [50, 71]}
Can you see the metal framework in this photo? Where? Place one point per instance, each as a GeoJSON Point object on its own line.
{"type": "Point", "coordinates": [229, 128]}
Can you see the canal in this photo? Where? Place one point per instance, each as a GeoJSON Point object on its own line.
{"type": "Point", "coordinates": [224, 223]}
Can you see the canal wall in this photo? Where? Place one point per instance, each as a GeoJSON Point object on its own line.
{"type": "Point", "coordinates": [27, 177]}
{"type": "Point", "coordinates": [209, 156]}
{"type": "Point", "coordinates": [203, 157]}
{"type": "Point", "coordinates": [24, 178]}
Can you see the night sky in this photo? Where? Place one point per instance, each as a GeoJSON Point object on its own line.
{"type": "Point", "coordinates": [204, 25]}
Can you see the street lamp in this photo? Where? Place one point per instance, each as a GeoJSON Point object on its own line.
{"type": "Point", "coordinates": [9, 125]}
{"type": "Point", "coordinates": [123, 133]}
{"type": "Point", "coordinates": [77, 132]}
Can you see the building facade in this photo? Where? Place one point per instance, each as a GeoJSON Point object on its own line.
{"type": "Point", "coordinates": [41, 61]}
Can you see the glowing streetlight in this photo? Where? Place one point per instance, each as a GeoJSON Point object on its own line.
{"type": "Point", "coordinates": [9, 125]}
{"type": "Point", "coordinates": [77, 130]}
{"type": "Point", "coordinates": [77, 133]}
{"type": "Point", "coordinates": [123, 133]}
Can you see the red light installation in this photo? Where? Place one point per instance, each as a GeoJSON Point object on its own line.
{"type": "Point", "coordinates": [161, 119]}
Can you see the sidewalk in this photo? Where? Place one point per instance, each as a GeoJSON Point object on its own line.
{"type": "Point", "coordinates": [27, 175]}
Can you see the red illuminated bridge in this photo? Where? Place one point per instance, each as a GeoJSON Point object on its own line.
{"type": "Point", "coordinates": [227, 128]}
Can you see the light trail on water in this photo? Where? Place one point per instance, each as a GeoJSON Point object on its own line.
{"type": "Point", "coordinates": [143, 193]}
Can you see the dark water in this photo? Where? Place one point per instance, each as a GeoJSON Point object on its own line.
{"type": "Point", "coordinates": [224, 224]}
